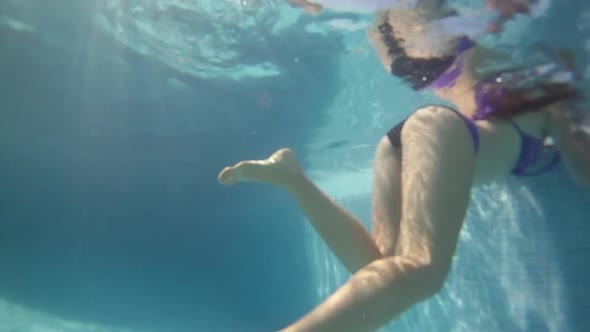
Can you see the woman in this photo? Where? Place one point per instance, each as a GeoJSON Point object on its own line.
{"type": "Point", "coordinates": [358, 6]}
{"type": "Point", "coordinates": [425, 168]}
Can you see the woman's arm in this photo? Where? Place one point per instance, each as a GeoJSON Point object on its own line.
{"type": "Point", "coordinates": [507, 10]}
{"type": "Point", "coordinates": [307, 6]}
{"type": "Point", "coordinates": [482, 57]}
{"type": "Point", "coordinates": [573, 144]}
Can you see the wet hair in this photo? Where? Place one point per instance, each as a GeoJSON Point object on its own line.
{"type": "Point", "coordinates": [509, 101]}
{"type": "Point", "coordinates": [417, 72]}
{"type": "Point", "coordinates": [521, 101]}
{"type": "Point", "coordinates": [529, 93]}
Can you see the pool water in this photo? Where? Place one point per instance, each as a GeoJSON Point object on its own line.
{"type": "Point", "coordinates": [116, 116]}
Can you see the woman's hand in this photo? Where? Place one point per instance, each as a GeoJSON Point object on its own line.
{"type": "Point", "coordinates": [509, 8]}
{"type": "Point", "coordinates": [307, 6]}
{"type": "Point", "coordinates": [572, 141]}
{"type": "Point", "coordinates": [564, 117]}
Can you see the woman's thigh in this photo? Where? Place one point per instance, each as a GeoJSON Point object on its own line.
{"type": "Point", "coordinates": [437, 174]}
{"type": "Point", "coordinates": [387, 196]}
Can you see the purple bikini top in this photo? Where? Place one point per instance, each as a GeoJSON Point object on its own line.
{"type": "Point", "coordinates": [487, 94]}
{"type": "Point", "coordinates": [486, 99]}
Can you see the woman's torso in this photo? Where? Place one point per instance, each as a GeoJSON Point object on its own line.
{"type": "Point", "coordinates": [501, 144]}
{"type": "Point", "coordinates": [500, 140]}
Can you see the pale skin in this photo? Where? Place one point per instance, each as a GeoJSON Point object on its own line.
{"type": "Point", "coordinates": [307, 6]}
{"type": "Point", "coordinates": [420, 196]}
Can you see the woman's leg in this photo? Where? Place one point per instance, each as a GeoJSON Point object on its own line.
{"type": "Point", "coordinates": [437, 171]}
{"type": "Point", "coordinates": [341, 231]}
{"type": "Point", "coordinates": [387, 196]}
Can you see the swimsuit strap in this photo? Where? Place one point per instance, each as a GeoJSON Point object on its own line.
{"type": "Point", "coordinates": [486, 98]}
{"type": "Point", "coordinates": [473, 130]}
{"type": "Point", "coordinates": [555, 160]}
{"type": "Point", "coordinates": [516, 127]}
{"type": "Point", "coordinates": [530, 151]}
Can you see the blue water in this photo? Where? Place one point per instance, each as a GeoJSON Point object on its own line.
{"type": "Point", "coordinates": [115, 119]}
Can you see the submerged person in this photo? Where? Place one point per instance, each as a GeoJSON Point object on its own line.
{"type": "Point", "coordinates": [425, 168]}
{"type": "Point", "coordinates": [472, 23]}
{"type": "Point", "coordinates": [359, 6]}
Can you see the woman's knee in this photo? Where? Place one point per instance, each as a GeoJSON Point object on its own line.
{"type": "Point", "coordinates": [431, 276]}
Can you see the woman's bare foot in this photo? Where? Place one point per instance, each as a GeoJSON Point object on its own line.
{"type": "Point", "coordinates": [279, 168]}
